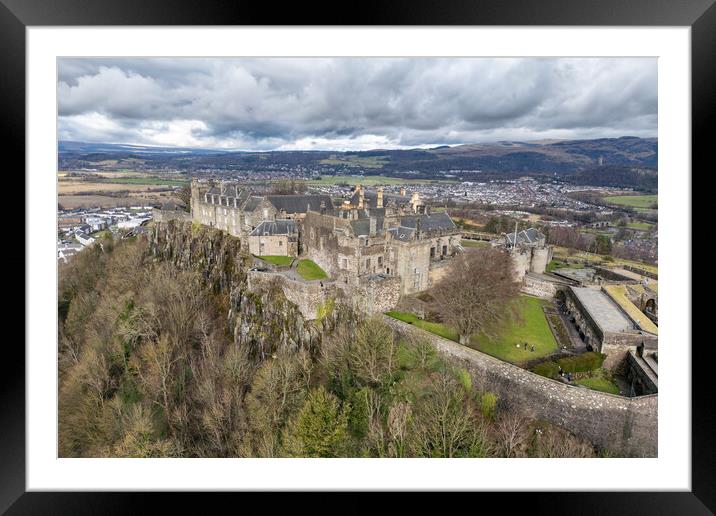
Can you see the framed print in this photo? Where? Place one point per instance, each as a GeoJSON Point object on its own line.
{"type": "Point", "coordinates": [419, 252]}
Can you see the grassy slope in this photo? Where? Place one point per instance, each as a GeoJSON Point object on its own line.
{"type": "Point", "coordinates": [277, 260]}
{"type": "Point", "coordinates": [599, 384]}
{"type": "Point", "coordinates": [310, 271]}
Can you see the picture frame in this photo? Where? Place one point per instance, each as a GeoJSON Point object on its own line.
{"type": "Point", "coordinates": [17, 15]}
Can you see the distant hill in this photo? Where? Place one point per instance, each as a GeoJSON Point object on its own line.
{"type": "Point", "coordinates": [621, 161]}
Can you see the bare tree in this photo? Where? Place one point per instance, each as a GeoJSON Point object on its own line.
{"type": "Point", "coordinates": [477, 292]}
{"type": "Point", "coordinates": [512, 434]}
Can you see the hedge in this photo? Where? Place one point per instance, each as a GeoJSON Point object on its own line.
{"type": "Point", "coordinates": [548, 369]}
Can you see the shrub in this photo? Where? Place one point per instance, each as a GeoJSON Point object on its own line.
{"type": "Point", "coordinates": [464, 378]}
{"type": "Point", "coordinates": [548, 369]}
{"type": "Point", "coordinates": [488, 405]}
{"type": "Point", "coordinates": [582, 363]}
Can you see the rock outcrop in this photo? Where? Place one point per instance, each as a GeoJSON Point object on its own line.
{"type": "Point", "coordinates": [263, 318]}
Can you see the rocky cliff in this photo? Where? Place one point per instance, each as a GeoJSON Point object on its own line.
{"type": "Point", "coordinates": [261, 318]}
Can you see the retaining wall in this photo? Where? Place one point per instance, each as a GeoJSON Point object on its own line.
{"type": "Point", "coordinates": [625, 426]}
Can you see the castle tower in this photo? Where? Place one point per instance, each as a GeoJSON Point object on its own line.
{"type": "Point", "coordinates": [361, 199]}
{"type": "Point", "coordinates": [380, 198]}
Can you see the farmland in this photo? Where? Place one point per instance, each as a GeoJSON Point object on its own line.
{"type": "Point", "coordinates": [632, 201]}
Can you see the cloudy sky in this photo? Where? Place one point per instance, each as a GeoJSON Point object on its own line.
{"type": "Point", "coordinates": [348, 104]}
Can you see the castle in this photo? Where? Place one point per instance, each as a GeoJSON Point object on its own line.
{"type": "Point", "coordinates": [372, 236]}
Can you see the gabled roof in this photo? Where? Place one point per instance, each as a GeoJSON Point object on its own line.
{"type": "Point", "coordinates": [252, 203]}
{"type": "Point", "coordinates": [362, 226]}
{"type": "Point", "coordinates": [300, 203]}
{"type": "Point", "coordinates": [526, 236]}
{"type": "Point", "coordinates": [433, 222]}
{"type": "Point", "coordinates": [402, 233]}
{"type": "Point", "coordinates": [275, 228]}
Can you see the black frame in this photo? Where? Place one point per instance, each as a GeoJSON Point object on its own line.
{"type": "Point", "coordinates": [15, 15]}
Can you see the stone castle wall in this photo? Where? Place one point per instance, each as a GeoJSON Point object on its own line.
{"type": "Point", "coordinates": [309, 297]}
{"type": "Point", "coordinates": [538, 287]}
{"type": "Point", "coordinates": [167, 215]}
{"type": "Point", "coordinates": [624, 426]}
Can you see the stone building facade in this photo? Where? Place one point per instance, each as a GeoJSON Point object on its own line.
{"type": "Point", "coordinates": [370, 239]}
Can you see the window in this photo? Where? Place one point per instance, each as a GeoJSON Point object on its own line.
{"type": "Point", "coordinates": [366, 241]}
{"type": "Point", "coordinates": [367, 263]}
{"type": "Point", "coordinates": [432, 252]}
{"type": "Point", "coordinates": [444, 250]}
{"type": "Point", "coordinates": [280, 243]}
{"type": "Point", "coordinates": [380, 260]}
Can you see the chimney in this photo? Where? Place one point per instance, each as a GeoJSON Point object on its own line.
{"type": "Point", "coordinates": [414, 201]}
{"type": "Point", "coordinates": [361, 199]}
{"type": "Point", "coordinates": [402, 191]}
{"type": "Point", "coordinates": [380, 198]}
{"type": "Point", "coordinates": [358, 188]}
{"type": "Point", "coordinates": [372, 226]}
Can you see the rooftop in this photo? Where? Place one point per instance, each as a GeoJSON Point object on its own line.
{"type": "Point", "coordinates": [602, 310]}
{"type": "Point", "coordinates": [619, 294]}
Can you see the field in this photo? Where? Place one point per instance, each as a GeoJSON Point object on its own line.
{"type": "Point", "coordinates": [356, 161]}
{"type": "Point", "coordinates": [70, 187]}
{"type": "Point", "coordinates": [309, 270]}
{"type": "Point", "coordinates": [632, 201]}
{"type": "Point", "coordinates": [158, 181]}
{"type": "Point", "coordinates": [372, 180]}
{"type": "Point", "coordinates": [562, 254]}
{"type": "Point", "coordinates": [71, 202]}
{"type": "Point", "coordinates": [529, 325]}
{"type": "Point", "coordinates": [641, 226]}
{"type": "Point", "coordinates": [111, 189]}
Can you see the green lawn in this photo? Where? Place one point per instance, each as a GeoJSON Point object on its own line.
{"type": "Point", "coordinates": [643, 226]}
{"type": "Point", "coordinates": [557, 264]}
{"type": "Point", "coordinates": [432, 327]}
{"type": "Point", "coordinates": [634, 201]}
{"type": "Point", "coordinates": [599, 384]}
{"type": "Point", "coordinates": [474, 243]}
{"type": "Point", "coordinates": [532, 327]}
{"type": "Point", "coordinates": [277, 260]}
{"type": "Point", "coordinates": [310, 271]}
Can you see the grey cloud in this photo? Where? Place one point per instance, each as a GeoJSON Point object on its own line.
{"type": "Point", "coordinates": [269, 103]}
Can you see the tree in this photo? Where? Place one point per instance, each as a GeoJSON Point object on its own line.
{"type": "Point", "coordinates": [184, 195]}
{"type": "Point", "coordinates": [477, 292]}
{"type": "Point", "coordinates": [321, 427]}
{"type": "Point", "coordinates": [444, 425]}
